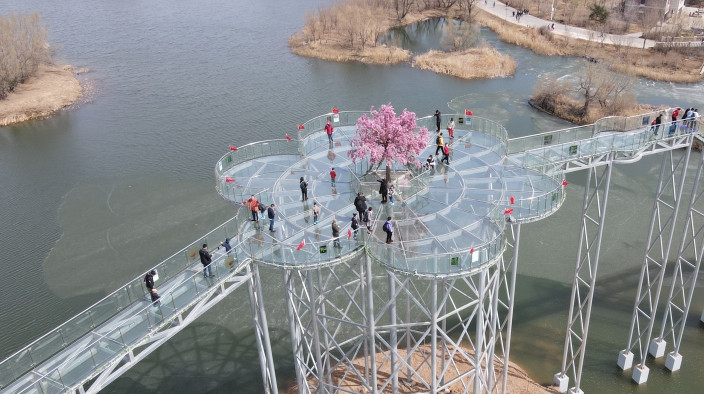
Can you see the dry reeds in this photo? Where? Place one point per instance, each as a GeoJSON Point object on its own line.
{"type": "Point", "coordinates": [471, 63]}
{"type": "Point", "coordinates": [369, 55]}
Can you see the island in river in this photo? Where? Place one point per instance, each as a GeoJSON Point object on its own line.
{"type": "Point", "coordinates": [51, 89]}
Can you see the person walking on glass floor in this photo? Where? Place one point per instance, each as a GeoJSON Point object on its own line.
{"type": "Point", "coordinates": [206, 258]}
{"type": "Point", "coordinates": [328, 131]}
{"type": "Point", "coordinates": [271, 213]}
{"type": "Point", "coordinates": [389, 230]}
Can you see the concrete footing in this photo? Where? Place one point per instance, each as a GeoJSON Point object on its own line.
{"type": "Point", "coordinates": [673, 362]}
{"type": "Point", "coordinates": [640, 374]}
{"type": "Point", "coordinates": [561, 381]}
{"type": "Point", "coordinates": [625, 359]}
{"type": "Point", "coordinates": [575, 390]}
{"type": "Point", "coordinates": [657, 347]}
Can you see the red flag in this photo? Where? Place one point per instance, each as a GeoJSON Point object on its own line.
{"type": "Point", "coordinates": [301, 245]}
{"type": "Point", "coordinates": [508, 211]}
{"type": "Point", "coordinates": [288, 138]}
{"type": "Point", "coordinates": [467, 112]}
{"type": "Point", "coordinates": [232, 148]}
{"type": "Point", "coordinates": [301, 127]}
{"type": "Point", "coordinates": [513, 200]}
{"type": "Point", "coordinates": [349, 233]}
{"type": "Point", "coordinates": [471, 251]}
{"type": "Point", "coordinates": [564, 182]}
{"type": "Point", "coordinates": [335, 110]}
{"type": "Point", "coordinates": [228, 179]}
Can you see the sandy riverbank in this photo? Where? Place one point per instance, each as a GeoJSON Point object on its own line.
{"type": "Point", "coordinates": [53, 88]}
{"type": "Point", "coordinates": [518, 380]}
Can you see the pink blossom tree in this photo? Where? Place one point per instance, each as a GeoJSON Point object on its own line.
{"type": "Point", "coordinates": [384, 137]}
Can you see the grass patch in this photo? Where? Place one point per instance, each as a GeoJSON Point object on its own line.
{"type": "Point", "coordinates": [471, 63]}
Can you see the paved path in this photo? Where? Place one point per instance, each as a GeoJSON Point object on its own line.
{"type": "Point", "coordinates": [502, 11]}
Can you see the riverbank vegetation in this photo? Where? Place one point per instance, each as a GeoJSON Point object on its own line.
{"type": "Point", "coordinates": [596, 93]}
{"type": "Point", "coordinates": [23, 48]}
{"type": "Point", "coordinates": [679, 65]}
{"type": "Point", "coordinates": [350, 31]}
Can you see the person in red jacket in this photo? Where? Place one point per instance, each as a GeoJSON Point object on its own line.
{"type": "Point", "coordinates": [446, 154]}
{"type": "Point", "coordinates": [328, 130]}
{"type": "Point", "coordinates": [333, 175]}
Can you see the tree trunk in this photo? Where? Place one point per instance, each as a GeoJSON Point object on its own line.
{"type": "Point", "coordinates": [388, 173]}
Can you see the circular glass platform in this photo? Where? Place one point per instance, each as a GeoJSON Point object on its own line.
{"type": "Point", "coordinates": [448, 219]}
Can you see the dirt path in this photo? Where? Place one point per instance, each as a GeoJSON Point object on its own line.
{"type": "Point", "coordinates": [53, 88]}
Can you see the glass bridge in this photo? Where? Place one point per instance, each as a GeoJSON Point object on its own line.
{"type": "Point", "coordinates": [449, 220]}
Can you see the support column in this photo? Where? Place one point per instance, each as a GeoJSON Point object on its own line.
{"type": "Point", "coordinates": [593, 218]}
{"type": "Point", "coordinates": [371, 325]}
{"type": "Point", "coordinates": [315, 322]}
{"type": "Point", "coordinates": [479, 336]}
{"type": "Point", "coordinates": [434, 337]}
{"type": "Point", "coordinates": [261, 328]}
{"type": "Point", "coordinates": [511, 300]}
{"type": "Point", "coordinates": [684, 279]}
{"type": "Point", "coordinates": [393, 338]}
{"type": "Point", "coordinates": [296, 337]}
{"type": "Point", "coordinates": [666, 207]}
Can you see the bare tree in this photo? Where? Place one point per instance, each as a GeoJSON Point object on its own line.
{"type": "Point", "coordinates": [468, 7]}
{"type": "Point", "coordinates": [458, 35]}
{"type": "Point", "coordinates": [23, 47]}
{"type": "Point", "coordinates": [609, 89]}
{"type": "Point", "coordinates": [403, 7]}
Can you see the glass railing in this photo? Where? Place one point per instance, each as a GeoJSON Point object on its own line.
{"type": "Point", "coordinates": [86, 322]}
{"type": "Point", "coordinates": [578, 133]}
{"type": "Point", "coordinates": [319, 250]}
{"type": "Point", "coordinates": [628, 143]}
{"type": "Point", "coordinates": [547, 191]}
{"type": "Point", "coordinates": [317, 124]}
{"type": "Point", "coordinates": [246, 153]}
{"type": "Point", "coordinates": [468, 259]}
{"type": "Point", "coordinates": [487, 127]}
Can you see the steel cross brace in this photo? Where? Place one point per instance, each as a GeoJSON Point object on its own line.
{"type": "Point", "coordinates": [596, 194]}
{"type": "Point", "coordinates": [660, 235]}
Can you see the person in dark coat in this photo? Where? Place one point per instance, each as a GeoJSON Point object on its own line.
{"type": "Point", "coordinates": [355, 224]}
{"type": "Point", "coordinates": [360, 204]}
{"type": "Point", "coordinates": [658, 122]}
{"type": "Point", "coordinates": [383, 189]}
{"type": "Point", "coordinates": [206, 258]}
{"type": "Point", "coordinates": [149, 280]}
{"type": "Point", "coordinates": [437, 118]}
{"type": "Point", "coordinates": [227, 246]}
{"type": "Point", "coordinates": [271, 213]}
{"type": "Point", "coordinates": [155, 296]}
{"type": "Point", "coordinates": [304, 189]}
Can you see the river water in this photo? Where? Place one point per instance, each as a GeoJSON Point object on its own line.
{"type": "Point", "coordinates": [95, 195]}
